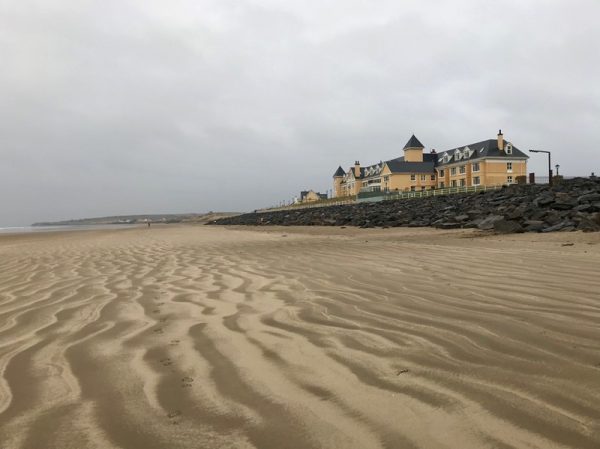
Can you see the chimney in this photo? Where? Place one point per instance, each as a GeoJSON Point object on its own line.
{"type": "Point", "coordinates": [356, 169]}
{"type": "Point", "coordinates": [433, 151]}
{"type": "Point", "coordinates": [500, 140]}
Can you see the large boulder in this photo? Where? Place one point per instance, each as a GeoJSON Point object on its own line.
{"type": "Point", "coordinates": [488, 223]}
{"type": "Point", "coordinates": [507, 227]}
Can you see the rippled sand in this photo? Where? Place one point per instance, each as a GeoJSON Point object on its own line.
{"type": "Point", "coordinates": [204, 337]}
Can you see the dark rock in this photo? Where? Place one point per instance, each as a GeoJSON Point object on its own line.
{"type": "Point", "coordinates": [565, 204]}
{"type": "Point", "coordinates": [488, 222]}
{"type": "Point", "coordinates": [544, 200]}
{"type": "Point", "coordinates": [563, 225]}
{"type": "Point", "coordinates": [583, 207]}
{"type": "Point", "coordinates": [589, 198]}
{"type": "Point", "coordinates": [448, 225]}
{"type": "Point", "coordinates": [587, 225]}
{"type": "Point", "coordinates": [574, 203]}
{"type": "Point", "coordinates": [507, 227]}
{"type": "Point", "coordinates": [534, 225]}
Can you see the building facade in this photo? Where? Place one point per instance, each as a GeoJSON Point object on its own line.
{"type": "Point", "coordinates": [489, 162]}
{"type": "Point", "coordinates": [308, 196]}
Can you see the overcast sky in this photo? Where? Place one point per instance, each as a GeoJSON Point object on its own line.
{"type": "Point", "coordinates": [140, 106]}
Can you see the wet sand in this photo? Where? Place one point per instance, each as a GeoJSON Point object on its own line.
{"type": "Point", "coordinates": [206, 337]}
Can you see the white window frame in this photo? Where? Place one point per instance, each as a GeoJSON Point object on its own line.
{"type": "Point", "coordinates": [413, 177]}
{"type": "Point", "coordinates": [453, 171]}
{"type": "Point", "coordinates": [462, 169]}
{"type": "Point", "coordinates": [423, 177]}
{"type": "Point", "coordinates": [509, 179]}
{"type": "Point", "coordinates": [509, 167]}
{"type": "Point", "coordinates": [476, 180]}
{"type": "Point", "coordinates": [475, 164]}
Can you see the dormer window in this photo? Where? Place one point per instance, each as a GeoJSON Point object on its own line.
{"type": "Point", "coordinates": [508, 148]}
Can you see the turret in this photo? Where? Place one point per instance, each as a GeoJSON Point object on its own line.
{"type": "Point", "coordinates": [338, 177]}
{"type": "Point", "coordinates": [413, 150]}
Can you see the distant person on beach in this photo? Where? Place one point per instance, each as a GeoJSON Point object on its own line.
{"type": "Point", "coordinates": [148, 223]}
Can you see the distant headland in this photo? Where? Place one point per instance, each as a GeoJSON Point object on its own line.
{"type": "Point", "coordinates": [140, 219]}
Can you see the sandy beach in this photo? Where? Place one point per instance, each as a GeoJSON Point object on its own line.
{"type": "Point", "coordinates": [273, 338]}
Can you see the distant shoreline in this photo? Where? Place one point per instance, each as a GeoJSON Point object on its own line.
{"type": "Point", "coordinates": [63, 228]}
{"type": "Point", "coordinates": [121, 220]}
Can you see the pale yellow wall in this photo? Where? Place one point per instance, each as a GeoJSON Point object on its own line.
{"type": "Point", "coordinates": [495, 171]}
{"type": "Point", "coordinates": [413, 155]}
{"type": "Point", "coordinates": [351, 187]}
{"type": "Point", "coordinates": [337, 185]}
{"type": "Point", "coordinates": [403, 182]}
{"type": "Point", "coordinates": [491, 172]}
{"type": "Point", "coordinates": [311, 196]}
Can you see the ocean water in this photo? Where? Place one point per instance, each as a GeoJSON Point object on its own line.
{"type": "Point", "coordinates": [29, 229]}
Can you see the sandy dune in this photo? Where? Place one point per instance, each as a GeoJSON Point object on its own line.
{"type": "Point", "coordinates": [204, 337]}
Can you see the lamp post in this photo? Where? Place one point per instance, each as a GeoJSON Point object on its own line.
{"type": "Point", "coordinates": [557, 167]}
{"type": "Point", "coordinates": [549, 163]}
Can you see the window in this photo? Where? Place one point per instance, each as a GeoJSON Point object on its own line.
{"type": "Point", "coordinates": [422, 187]}
{"type": "Point", "coordinates": [462, 183]}
{"type": "Point", "coordinates": [413, 188]}
{"type": "Point", "coordinates": [433, 177]}
{"type": "Point", "coordinates": [462, 169]}
{"type": "Point", "coordinates": [476, 181]}
{"type": "Point", "coordinates": [453, 183]}
{"type": "Point", "coordinates": [453, 171]}
{"type": "Point", "coordinates": [413, 177]}
{"type": "Point", "coordinates": [386, 178]}
{"type": "Point", "coordinates": [423, 177]}
{"type": "Point", "coordinates": [475, 166]}
{"type": "Point", "coordinates": [509, 167]}
{"type": "Point", "coordinates": [441, 172]}
{"type": "Point", "coordinates": [442, 185]}
{"type": "Point", "coordinates": [365, 183]}
{"type": "Point", "coordinates": [509, 179]}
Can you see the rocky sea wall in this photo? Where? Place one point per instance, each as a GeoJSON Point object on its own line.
{"type": "Point", "coordinates": [570, 205]}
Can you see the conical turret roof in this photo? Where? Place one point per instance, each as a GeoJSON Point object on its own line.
{"type": "Point", "coordinates": [413, 142]}
{"type": "Point", "coordinates": [339, 172]}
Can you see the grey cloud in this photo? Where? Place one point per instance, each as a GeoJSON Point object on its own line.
{"type": "Point", "coordinates": [139, 106]}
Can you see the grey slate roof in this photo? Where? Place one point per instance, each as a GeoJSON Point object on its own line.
{"type": "Point", "coordinates": [413, 142]}
{"type": "Point", "coordinates": [397, 166]}
{"type": "Point", "coordinates": [485, 148]}
{"type": "Point", "coordinates": [339, 172]}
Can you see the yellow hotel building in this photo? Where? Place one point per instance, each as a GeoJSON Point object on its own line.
{"type": "Point", "coordinates": [489, 162]}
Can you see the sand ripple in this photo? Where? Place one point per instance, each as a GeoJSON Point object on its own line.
{"type": "Point", "coordinates": [198, 337]}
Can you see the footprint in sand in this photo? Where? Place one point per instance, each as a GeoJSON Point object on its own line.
{"type": "Point", "coordinates": [166, 361]}
{"type": "Point", "coordinates": [186, 382]}
{"type": "Point", "coordinates": [158, 330]}
{"type": "Point", "coordinates": [174, 342]}
{"type": "Point", "coordinates": [156, 311]}
{"type": "Point", "coordinates": [174, 414]}
{"type": "Point", "coordinates": [162, 320]}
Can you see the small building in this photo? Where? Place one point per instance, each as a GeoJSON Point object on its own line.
{"type": "Point", "coordinates": [307, 196]}
{"type": "Point", "coordinates": [489, 162]}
